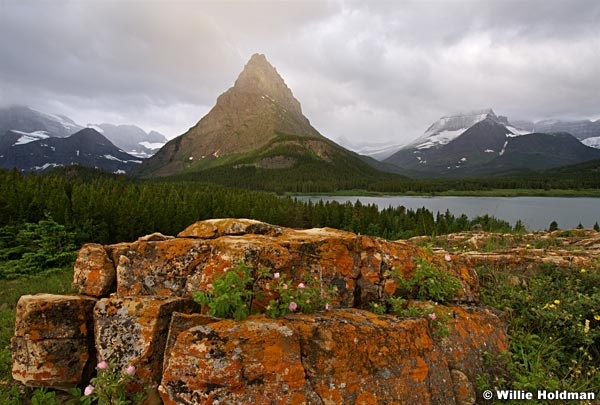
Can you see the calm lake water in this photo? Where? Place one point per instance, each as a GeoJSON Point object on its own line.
{"type": "Point", "coordinates": [535, 212]}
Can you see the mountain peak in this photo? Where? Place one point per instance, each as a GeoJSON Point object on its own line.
{"type": "Point", "coordinates": [261, 78]}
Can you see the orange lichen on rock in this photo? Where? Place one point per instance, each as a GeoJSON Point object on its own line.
{"type": "Point", "coordinates": [52, 346]}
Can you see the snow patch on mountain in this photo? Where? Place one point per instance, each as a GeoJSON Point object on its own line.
{"type": "Point", "coordinates": [448, 128]}
{"type": "Point", "coordinates": [441, 138]}
{"type": "Point", "coordinates": [152, 145]}
{"type": "Point", "coordinates": [516, 131]}
{"type": "Point", "coordinates": [30, 136]}
{"type": "Point", "coordinates": [593, 142]}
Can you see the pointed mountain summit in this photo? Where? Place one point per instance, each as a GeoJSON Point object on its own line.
{"type": "Point", "coordinates": [256, 129]}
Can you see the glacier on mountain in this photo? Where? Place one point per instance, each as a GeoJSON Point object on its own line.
{"type": "Point", "coordinates": [448, 128]}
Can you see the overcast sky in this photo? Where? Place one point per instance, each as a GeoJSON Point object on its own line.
{"type": "Point", "coordinates": [365, 72]}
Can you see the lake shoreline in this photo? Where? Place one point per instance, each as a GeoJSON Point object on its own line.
{"type": "Point", "coordinates": [534, 212]}
{"type": "Point", "coordinates": [589, 193]}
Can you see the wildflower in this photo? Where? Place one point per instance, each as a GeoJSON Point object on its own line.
{"type": "Point", "coordinates": [285, 287]}
{"type": "Point", "coordinates": [103, 365]}
{"type": "Point", "coordinates": [528, 246]}
{"type": "Point", "coordinates": [276, 275]}
{"type": "Point", "coordinates": [557, 302]}
{"type": "Point", "coordinates": [88, 390]}
{"type": "Point", "coordinates": [582, 270]}
{"type": "Point", "coordinates": [301, 285]}
{"type": "Point", "coordinates": [293, 306]}
{"type": "Point", "coordinates": [586, 328]}
{"type": "Point", "coordinates": [597, 317]}
{"type": "Point", "coordinates": [130, 370]}
{"type": "Point", "coordinates": [447, 257]}
{"type": "Point", "coordinates": [432, 316]}
{"type": "Point", "coordinates": [552, 306]}
{"type": "Point", "coordinates": [328, 307]}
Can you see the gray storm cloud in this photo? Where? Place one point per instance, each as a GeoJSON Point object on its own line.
{"type": "Point", "coordinates": [365, 72]}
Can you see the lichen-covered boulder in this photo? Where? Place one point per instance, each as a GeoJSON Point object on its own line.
{"type": "Point", "coordinates": [132, 331]}
{"type": "Point", "coordinates": [357, 265]}
{"type": "Point", "coordinates": [343, 356]}
{"type": "Point", "coordinates": [94, 271]}
{"type": "Point", "coordinates": [53, 342]}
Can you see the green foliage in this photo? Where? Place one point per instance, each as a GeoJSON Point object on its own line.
{"type": "Point", "coordinates": [109, 387]}
{"type": "Point", "coordinates": [42, 396]}
{"type": "Point", "coordinates": [554, 333]}
{"type": "Point", "coordinates": [596, 227]}
{"type": "Point", "coordinates": [231, 295]}
{"type": "Point", "coordinates": [553, 226]}
{"type": "Point", "coordinates": [306, 297]}
{"type": "Point", "coordinates": [34, 248]}
{"type": "Point", "coordinates": [234, 291]}
{"type": "Point", "coordinates": [428, 283]}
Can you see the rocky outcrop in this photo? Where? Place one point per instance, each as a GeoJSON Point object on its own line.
{"type": "Point", "coordinates": [135, 309]}
{"type": "Point", "coordinates": [563, 248]}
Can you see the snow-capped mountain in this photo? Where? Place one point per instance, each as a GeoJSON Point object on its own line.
{"type": "Point", "coordinates": [132, 139]}
{"type": "Point", "coordinates": [34, 125]}
{"type": "Point", "coordinates": [86, 148]}
{"type": "Point", "coordinates": [580, 129]}
{"type": "Point", "coordinates": [30, 121]}
{"type": "Point", "coordinates": [490, 144]}
{"type": "Point", "coordinates": [448, 128]}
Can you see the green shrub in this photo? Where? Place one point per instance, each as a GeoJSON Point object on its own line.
{"type": "Point", "coordinates": [33, 248]}
{"type": "Point", "coordinates": [428, 283]}
{"type": "Point", "coordinates": [234, 292]}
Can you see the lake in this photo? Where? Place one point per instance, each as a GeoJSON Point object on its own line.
{"type": "Point", "coordinates": [536, 213]}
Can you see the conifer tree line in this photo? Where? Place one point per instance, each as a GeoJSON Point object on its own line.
{"type": "Point", "coordinates": [109, 209]}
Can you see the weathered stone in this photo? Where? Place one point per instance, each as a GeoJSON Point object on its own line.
{"type": "Point", "coordinates": [53, 341]}
{"type": "Point", "coordinates": [94, 271]}
{"type": "Point", "coordinates": [464, 393]}
{"type": "Point", "coordinates": [357, 265]}
{"type": "Point", "coordinates": [343, 356]}
{"type": "Point", "coordinates": [180, 323]}
{"type": "Point", "coordinates": [475, 334]}
{"type": "Point", "coordinates": [159, 268]}
{"type": "Point", "coordinates": [132, 331]}
{"type": "Point", "coordinates": [213, 228]}
{"type": "Point", "coordinates": [155, 237]}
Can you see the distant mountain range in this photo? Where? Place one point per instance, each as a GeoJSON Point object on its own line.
{"type": "Point", "coordinates": [86, 147]}
{"type": "Point", "coordinates": [35, 125]}
{"type": "Point", "coordinates": [481, 143]}
{"type": "Point", "coordinates": [257, 134]}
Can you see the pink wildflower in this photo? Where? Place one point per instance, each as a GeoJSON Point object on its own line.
{"type": "Point", "coordinates": [88, 390]}
{"type": "Point", "coordinates": [301, 285]}
{"type": "Point", "coordinates": [432, 316]}
{"type": "Point", "coordinates": [276, 275]}
{"type": "Point", "coordinates": [103, 365]}
{"type": "Point", "coordinates": [130, 370]}
{"type": "Point", "coordinates": [448, 257]}
{"type": "Point", "coordinates": [293, 306]}
{"type": "Point", "coordinates": [327, 307]}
